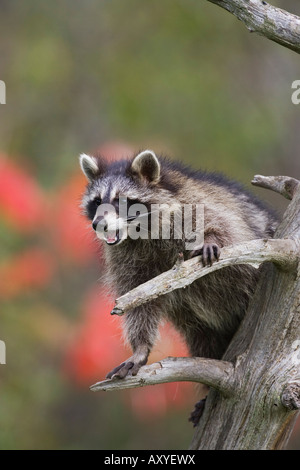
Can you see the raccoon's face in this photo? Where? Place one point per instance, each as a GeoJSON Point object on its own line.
{"type": "Point", "coordinates": [119, 196]}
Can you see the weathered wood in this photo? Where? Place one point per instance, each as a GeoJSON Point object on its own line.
{"type": "Point", "coordinates": [217, 374]}
{"type": "Point", "coordinates": [262, 18]}
{"type": "Point", "coordinates": [266, 361]}
{"type": "Point", "coordinates": [281, 252]}
{"type": "Point", "coordinates": [290, 397]}
{"type": "Point", "coordinates": [283, 185]}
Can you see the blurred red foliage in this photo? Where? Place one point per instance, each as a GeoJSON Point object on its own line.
{"type": "Point", "coordinates": [151, 402]}
{"type": "Point", "coordinates": [97, 346]}
{"type": "Point", "coordinates": [72, 234]}
{"type": "Point", "coordinates": [22, 204]}
{"type": "Point", "coordinates": [23, 208]}
{"type": "Point", "coordinates": [31, 269]}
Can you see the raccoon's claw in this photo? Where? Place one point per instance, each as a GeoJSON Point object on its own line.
{"type": "Point", "coordinates": [120, 371]}
{"type": "Point", "coordinates": [210, 252]}
{"type": "Point", "coordinates": [197, 413]}
{"type": "Point", "coordinates": [129, 367]}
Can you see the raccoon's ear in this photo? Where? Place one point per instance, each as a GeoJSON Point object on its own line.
{"type": "Point", "coordinates": [92, 167]}
{"type": "Point", "coordinates": [146, 166]}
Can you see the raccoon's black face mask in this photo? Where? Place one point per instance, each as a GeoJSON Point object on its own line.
{"type": "Point", "coordinates": [121, 219]}
{"type": "Point", "coordinates": [113, 198]}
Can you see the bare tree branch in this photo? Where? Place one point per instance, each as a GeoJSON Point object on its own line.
{"type": "Point", "coordinates": [284, 185]}
{"type": "Point", "coordinates": [271, 22]}
{"type": "Point", "coordinates": [281, 252]}
{"type": "Point", "coordinates": [211, 372]}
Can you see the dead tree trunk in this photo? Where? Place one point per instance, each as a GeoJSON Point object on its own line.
{"type": "Point", "coordinates": [261, 412]}
{"type": "Point", "coordinates": [254, 393]}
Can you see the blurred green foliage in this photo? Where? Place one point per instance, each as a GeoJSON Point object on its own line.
{"type": "Point", "coordinates": [180, 76]}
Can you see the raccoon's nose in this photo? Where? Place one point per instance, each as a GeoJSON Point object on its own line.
{"type": "Point", "coordinates": [100, 224]}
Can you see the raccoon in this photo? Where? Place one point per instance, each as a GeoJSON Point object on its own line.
{"type": "Point", "coordinates": [208, 312]}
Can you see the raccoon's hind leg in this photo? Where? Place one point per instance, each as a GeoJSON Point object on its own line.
{"type": "Point", "coordinates": [141, 325]}
{"type": "Point", "coordinates": [202, 342]}
{"type": "Point", "coordinates": [198, 411]}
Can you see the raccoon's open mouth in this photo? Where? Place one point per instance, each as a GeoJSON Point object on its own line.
{"type": "Point", "coordinates": [108, 231]}
{"type": "Point", "coordinates": [112, 238]}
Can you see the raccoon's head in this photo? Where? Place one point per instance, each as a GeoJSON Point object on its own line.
{"type": "Point", "coordinates": [119, 195]}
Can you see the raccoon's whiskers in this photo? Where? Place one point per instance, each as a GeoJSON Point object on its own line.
{"type": "Point", "coordinates": [133, 217]}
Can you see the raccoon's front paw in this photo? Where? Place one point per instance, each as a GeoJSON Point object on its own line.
{"type": "Point", "coordinates": [210, 253]}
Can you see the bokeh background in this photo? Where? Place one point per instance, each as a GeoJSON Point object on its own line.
{"type": "Point", "coordinates": [182, 77]}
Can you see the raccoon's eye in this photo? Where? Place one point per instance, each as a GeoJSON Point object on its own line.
{"type": "Point", "coordinates": [97, 201]}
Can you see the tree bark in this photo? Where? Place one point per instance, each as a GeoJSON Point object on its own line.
{"type": "Point", "coordinates": [262, 18]}
{"type": "Point", "coordinates": [211, 372]}
{"type": "Point", "coordinates": [265, 352]}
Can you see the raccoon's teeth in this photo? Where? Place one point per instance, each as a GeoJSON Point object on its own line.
{"type": "Point", "coordinates": [111, 240]}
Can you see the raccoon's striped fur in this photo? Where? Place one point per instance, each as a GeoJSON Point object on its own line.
{"type": "Point", "coordinates": [208, 312]}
